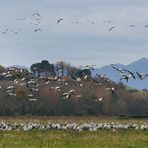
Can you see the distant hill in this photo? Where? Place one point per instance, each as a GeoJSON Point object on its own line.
{"type": "Point", "coordinates": [140, 66]}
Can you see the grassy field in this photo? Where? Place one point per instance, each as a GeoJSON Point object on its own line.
{"type": "Point", "coordinates": [74, 139]}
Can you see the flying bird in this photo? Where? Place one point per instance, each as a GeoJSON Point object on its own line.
{"type": "Point", "coordinates": [4, 32]}
{"type": "Point", "coordinates": [90, 66]}
{"type": "Point", "coordinates": [132, 74]}
{"type": "Point", "coordinates": [36, 14]}
{"type": "Point", "coordinates": [112, 28]}
{"type": "Point", "coordinates": [38, 29]}
{"type": "Point", "coordinates": [35, 23]}
{"type": "Point", "coordinates": [119, 69]}
{"type": "Point", "coordinates": [99, 99]}
{"type": "Point", "coordinates": [32, 100]}
{"type": "Point", "coordinates": [107, 21]}
{"type": "Point", "coordinates": [124, 77]}
{"type": "Point", "coordinates": [141, 75]}
{"type": "Point", "coordinates": [59, 20]}
{"type": "Point", "coordinates": [101, 76]}
{"type": "Point", "coordinates": [131, 26]}
{"type": "Point", "coordinates": [21, 19]}
{"type": "Point", "coordinates": [112, 89]}
{"type": "Point", "coordinates": [69, 94]}
{"type": "Point", "coordinates": [75, 22]}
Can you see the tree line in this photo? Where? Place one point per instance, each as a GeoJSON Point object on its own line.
{"type": "Point", "coordinates": [124, 102]}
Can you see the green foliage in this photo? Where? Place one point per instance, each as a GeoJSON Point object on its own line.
{"type": "Point", "coordinates": [43, 67]}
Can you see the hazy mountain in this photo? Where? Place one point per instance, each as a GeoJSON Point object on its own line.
{"type": "Point", "coordinates": [140, 66]}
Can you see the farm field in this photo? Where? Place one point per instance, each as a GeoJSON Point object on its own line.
{"type": "Point", "coordinates": [73, 139]}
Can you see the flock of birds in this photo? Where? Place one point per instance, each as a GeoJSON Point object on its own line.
{"type": "Point", "coordinates": [127, 74]}
{"type": "Point", "coordinates": [36, 20]}
{"type": "Point", "coordinates": [9, 126]}
{"type": "Point", "coordinates": [24, 79]}
{"type": "Point", "coordinates": [30, 85]}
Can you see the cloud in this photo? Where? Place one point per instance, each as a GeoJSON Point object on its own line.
{"type": "Point", "coordinates": [76, 43]}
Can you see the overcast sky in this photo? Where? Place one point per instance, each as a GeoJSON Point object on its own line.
{"type": "Point", "coordinates": [78, 44]}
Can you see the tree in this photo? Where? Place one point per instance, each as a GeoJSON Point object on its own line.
{"type": "Point", "coordinates": [47, 68]}
{"type": "Point", "coordinates": [43, 68]}
{"type": "Point", "coordinates": [36, 69]}
{"type": "Point", "coordinates": [62, 67]}
{"type": "Point", "coordinates": [81, 73]}
{"type": "Point", "coordinates": [2, 69]}
{"type": "Point", "coordinates": [72, 70]}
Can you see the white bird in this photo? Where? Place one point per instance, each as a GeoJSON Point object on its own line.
{"type": "Point", "coordinates": [112, 89]}
{"type": "Point", "coordinates": [90, 66]}
{"type": "Point", "coordinates": [32, 100]}
{"type": "Point", "coordinates": [72, 91]}
{"type": "Point", "coordinates": [30, 95]}
{"type": "Point", "coordinates": [21, 19]}
{"type": "Point", "coordinates": [23, 79]}
{"type": "Point", "coordinates": [99, 99]}
{"type": "Point", "coordinates": [65, 95]}
{"type": "Point", "coordinates": [131, 73]}
{"type": "Point", "coordinates": [119, 69]}
{"type": "Point", "coordinates": [12, 94]}
{"type": "Point", "coordinates": [57, 88]}
{"type": "Point", "coordinates": [101, 76]}
{"type": "Point", "coordinates": [10, 87]}
{"type": "Point", "coordinates": [69, 94]}
{"type": "Point", "coordinates": [142, 75]}
{"type": "Point", "coordinates": [35, 23]}
{"type": "Point", "coordinates": [107, 21]}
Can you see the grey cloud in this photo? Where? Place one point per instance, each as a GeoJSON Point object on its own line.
{"type": "Point", "coordinates": [78, 44]}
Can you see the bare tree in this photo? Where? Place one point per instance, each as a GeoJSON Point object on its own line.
{"type": "Point", "coordinates": [62, 67]}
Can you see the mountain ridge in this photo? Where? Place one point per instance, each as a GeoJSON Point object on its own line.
{"type": "Point", "coordinates": [140, 66]}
